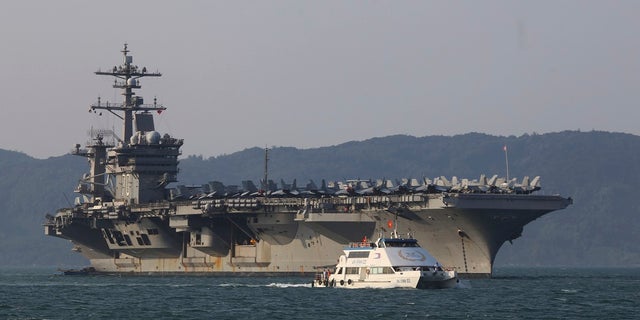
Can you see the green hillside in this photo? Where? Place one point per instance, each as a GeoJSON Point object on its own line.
{"type": "Point", "coordinates": [599, 170]}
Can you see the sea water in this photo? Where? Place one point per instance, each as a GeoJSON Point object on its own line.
{"type": "Point", "coordinates": [513, 293]}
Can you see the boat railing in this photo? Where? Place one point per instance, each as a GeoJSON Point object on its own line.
{"type": "Point", "coordinates": [361, 245]}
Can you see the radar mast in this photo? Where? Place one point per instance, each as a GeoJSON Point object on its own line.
{"type": "Point", "coordinates": [127, 76]}
{"type": "Point", "coordinates": [144, 161]}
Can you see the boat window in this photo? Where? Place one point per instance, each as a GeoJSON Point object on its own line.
{"type": "Point", "coordinates": [339, 271]}
{"type": "Point", "coordinates": [359, 254]}
{"type": "Point", "coordinates": [381, 270]}
{"type": "Point", "coordinates": [351, 270]}
{"type": "Point", "coordinates": [401, 243]}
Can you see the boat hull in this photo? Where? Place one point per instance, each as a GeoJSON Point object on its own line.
{"type": "Point", "coordinates": [463, 232]}
{"type": "Point", "coordinates": [440, 280]}
{"type": "Point", "coordinates": [407, 279]}
{"type": "Point", "coordinates": [128, 219]}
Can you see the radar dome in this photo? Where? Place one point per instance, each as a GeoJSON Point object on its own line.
{"type": "Point", "coordinates": [153, 137]}
{"type": "Point", "coordinates": [134, 138]}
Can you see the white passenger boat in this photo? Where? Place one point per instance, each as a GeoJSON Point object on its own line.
{"type": "Point", "coordinates": [387, 263]}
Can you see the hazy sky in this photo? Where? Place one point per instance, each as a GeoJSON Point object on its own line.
{"type": "Point", "coordinates": [239, 74]}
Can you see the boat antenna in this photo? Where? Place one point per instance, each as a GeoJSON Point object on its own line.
{"type": "Point", "coordinates": [506, 160]}
{"type": "Point", "coordinates": [127, 78]}
{"type": "Point", "coordinates": [394, 235]}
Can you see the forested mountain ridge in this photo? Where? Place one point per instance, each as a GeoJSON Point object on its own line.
{"type": "Point", "coordinates": [599, 170]}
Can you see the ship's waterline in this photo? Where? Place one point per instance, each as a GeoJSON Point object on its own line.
{"type": "Point", "coordinates": [130, 221]}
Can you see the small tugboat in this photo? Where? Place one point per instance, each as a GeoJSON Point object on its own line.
{"type": "Point", "coordinates": [392, 262]}
{"type": "Point", "coordinates": [78, 272]}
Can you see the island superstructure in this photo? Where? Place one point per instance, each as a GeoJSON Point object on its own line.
{"type": "Point", "coordinates": [129, 218]}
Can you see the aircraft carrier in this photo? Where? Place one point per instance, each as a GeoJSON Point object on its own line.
{"type": "Point", "coordinates": [131, 216]}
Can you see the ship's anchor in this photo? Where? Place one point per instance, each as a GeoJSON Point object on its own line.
{"type": "Point", "coordinates": [463, 235]}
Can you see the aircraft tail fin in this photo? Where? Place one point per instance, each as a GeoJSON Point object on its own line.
{"type": "Point", "coordinates": [483, 180]}
{"type": "Point", "coordinates": [535, 182]}
{"type": "Point", "coordinates": [492, 181]}
{"type": "Point", "coordinates": [248, 185]}
{"type": "Point", "coordinates": [311, 186]}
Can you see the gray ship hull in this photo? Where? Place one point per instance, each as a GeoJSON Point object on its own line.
{"type": "Point", "coordinates": [463, 231]}
{"type": "Point", "coordinates": [129, 220]}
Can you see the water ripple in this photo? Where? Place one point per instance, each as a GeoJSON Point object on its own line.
{"type": "Point", "coordinates": [513, 294]}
